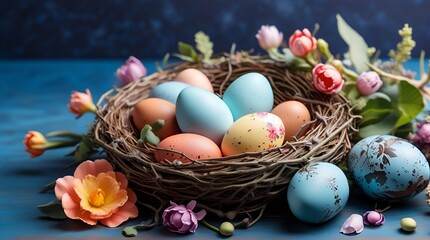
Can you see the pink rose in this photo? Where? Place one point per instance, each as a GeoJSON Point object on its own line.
{"type": "Point", "coordinates": [302, 43]}
{"type": "Point", "coordinates": [269, 37]}
{"type": "Point", "coordinates": [131, 70]}
{"type": "Point", "coordinates": [327, 79]}
{"type": "Point", "coordinates": [368, 83]}
{"type": "Point", "coordinates": [182, 219]}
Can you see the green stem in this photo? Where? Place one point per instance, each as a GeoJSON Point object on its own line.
{"type": "Point", "coordinates": [210, 226]}
{"type": "Point", "coordinates": [57, 144]}
{"type": "Point", "coordinates": [308, 58]}
{"type": "Point", "coordinates": [67, 134]}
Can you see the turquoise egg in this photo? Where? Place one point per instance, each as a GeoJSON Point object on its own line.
{"type": "Point", "coordinates": [168, 90]}
{"type": "Point", "coordinates": [249, 93]}
{"type": "Point", "coordinates": [202, 112]}
{"type": "Point", "coordinates": [388, 168]}
{"type": "Point", "coordinates": [317, 192]}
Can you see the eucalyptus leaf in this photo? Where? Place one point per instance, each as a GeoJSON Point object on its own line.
{"type": "Point", "coordinates": [410, 103]}
{"type": "Point", "coordinates": [357, 45]}
{"type": "Point", "coordinates": [129, 232]}
{"type": "Point", "coordinates": [204, 45]}
{"type": "Point", "coordinates": [187, 50]}
{"type": "Point", "coordinates": [53, 210]}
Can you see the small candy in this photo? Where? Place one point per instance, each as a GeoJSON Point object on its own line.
{"type": "Point", "coordinates": [373, 218]}
{"type": "Point", "coordinates": [408, 224]}
{"type": "Point", "coordinates": [226, 229]}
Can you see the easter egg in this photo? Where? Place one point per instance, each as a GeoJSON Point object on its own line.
{"type": "Point", "coordinates": [202, 112]}
{"type": "Point", "coordinates": [150, 110]}
{"type": "Point", "coordinates": [388, 168]}
{"type": "Point", "coordinates": [253, 133]}
{"type": "Point", "coordinates": [186, 145]}
{"type": "Point", "coordinates": [317, 192]}
{"type": "Point", "coordinates": [194, 78]}
{"type": "Point", "coordinates": [168, 90]}
{"type": "Point", "coordinates": [249, 93]}
{"type": "Point", "coordinates": [294, 115]}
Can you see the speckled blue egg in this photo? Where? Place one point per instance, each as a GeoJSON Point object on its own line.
{"type": "Point", "coordinates": [202, 112]}
{"type": "Point", "coordinates": [249, 93]}
{"type": "Point", "coordinates": [168, 90]}
{"type": "Point", "coordinates": [317, 192]}
{"type": "Point", "coordinates": [388, 168]}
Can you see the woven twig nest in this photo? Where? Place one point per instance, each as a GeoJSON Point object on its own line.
{"type": "Point", "coordinates": [236, 187]}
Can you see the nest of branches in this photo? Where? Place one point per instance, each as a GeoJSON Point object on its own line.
{"type": "Point", "coordinates": [237, 187]}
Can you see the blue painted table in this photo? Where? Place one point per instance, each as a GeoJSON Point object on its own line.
{"type": "Point", "coordinates": [34, 96]}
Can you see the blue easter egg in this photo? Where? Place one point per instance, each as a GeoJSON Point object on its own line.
{"type": "Point", "coordinates": [168, 90]}
{"type": "Point", "coordinates": [317, 192]}
{"type": "Point", "coordinates": [202, 112]}
{"type": "Point", "coordinates": [250, 93]}
{"type": "Point", "coordinates": [388, 168]}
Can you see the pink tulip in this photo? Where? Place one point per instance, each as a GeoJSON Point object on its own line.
{"type": "Point", "coordinates": [131, 70]}
{"type": "Point", "coordinates": [353, 224]}
{"type": "Point", "coordinates": [96, 193]}
{"type": "Point", "coordinates": [182, 219]}
{"type": "Point", "coordinates": [302, 43]}
{"type": "Point", "coordinates": [81, 103]}
{"type": "Point", "coordinates": [269, 37]}
{"type": "Point", "coordinates": [327, 79]}
{"type": "Point", "coordinates": [368, 83]}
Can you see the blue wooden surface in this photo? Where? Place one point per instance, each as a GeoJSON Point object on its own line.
{"type": "Point", "coordinates": [34, 96]}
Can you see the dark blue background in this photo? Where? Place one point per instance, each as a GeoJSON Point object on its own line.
{"type": "Point", "coordinates": [150, 28]}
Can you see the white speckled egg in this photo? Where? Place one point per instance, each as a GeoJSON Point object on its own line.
{"type": "Point", "coordinates": [317, 192]}
{"type": "Point", "coordinates": [253, 133]}
{"type": "Point", "coordinates": [388, 168]}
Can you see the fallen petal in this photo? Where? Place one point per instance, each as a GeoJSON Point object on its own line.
{"type": "Point", "coordinates": [353, 224]}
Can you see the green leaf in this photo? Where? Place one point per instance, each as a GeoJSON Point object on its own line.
{"type": "Point", "coordinates": [204, 45]}
{"type": "Point", "coordinates": [384, 126]}
{"type": "Point", "coordinates": [357, 45]}
{"type": "Point", "coordinates": [48, 187]}
{"type": "Point", "coordinates": [85, 149]}
{"type": "Point", "coordinates": [410, 103]}
{"type": "Point", "coordinates": [187, 50]}
{"type": "Point", "coordinates": [53, 210]}
{"type": "Point", "coordinates": [129, 232]}
{"type": "Point", "coordinates": [375, 110]}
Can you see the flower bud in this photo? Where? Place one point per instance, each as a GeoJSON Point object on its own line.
{"type": "Point", "coordinates": [269, 37]}
{"type": "Point", "coordinates": [327, 79]}
{"type": "Point", "coordinates": [81, 103]}
{"type": "Point", "coordinates": [226, 229]}
{"type": "Point", "coordinates": [373, 218]}
{"type": "Point", "coordinates": [301, 43]}
{"type": "Point", "coordinates": [34, 142]}
{"type": "Point", "coordinates": [422, 135]}
{"type": "Point", "coordinates": [368, 83]}
{"type": "Point", "coordinates": [131, 70]}
{"type": "Point", "coordinates": [322, 46]}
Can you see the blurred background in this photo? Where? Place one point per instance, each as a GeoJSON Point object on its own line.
{"type": "Point", "coordinates": [150, 28]}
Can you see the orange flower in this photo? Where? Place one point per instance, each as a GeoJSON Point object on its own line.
{"type": "Point", "coordinates": [81, 103]}
{"type": "Point", "coordinates": [34, 142]}
{"type": "Point", "coordinates": [97, 193]}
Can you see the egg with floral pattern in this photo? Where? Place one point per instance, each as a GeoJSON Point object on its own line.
{"type": "Point", "coordinates": [388, 168]}
{"type": "Point", "coordinates": [253, 133]}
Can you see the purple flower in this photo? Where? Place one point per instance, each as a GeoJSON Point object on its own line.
{"type": "Point", "coordinates": [368, 83]}
{"type": "Point", "coordinates": [131, 70]}
{"type": "Point", "coordinates": [373, 218]}
{"type": "Point", "coordinates": [353, 224]}
{"type": "Point", "coordinates": [423, 133]}
{"type": "Point", "coordinates": [269, 37]}
{"type": "Point", "coordinates": [182, 219]}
